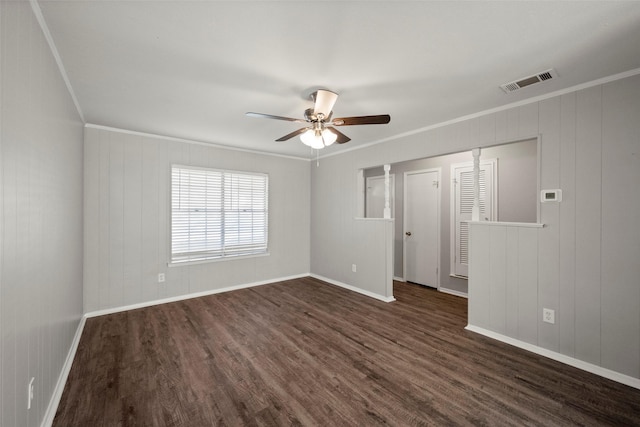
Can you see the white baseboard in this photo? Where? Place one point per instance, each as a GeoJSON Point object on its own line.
{"type": "Point", "coordinates": [50, 413]}
{"type": "Point", "coordinates": [354, 289]}
{"type": "Point", "coordinates": [567, 360]}
{"type": "Point", "coordinates": [189, 296]}
{"type": "Point", "coordinates": [454, 292]}
{"type": "Point", "coordinates": [440, 289]}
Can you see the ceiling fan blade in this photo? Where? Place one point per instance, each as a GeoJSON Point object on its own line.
{"type": "Point", "coordinates": [269, 116]}
{"type": "Point", "coordinates": [362, 120]}
{"type": "Point", "coordinates": [342, 138]}
{"type": "Point", "coordinates": [325, 100]}
{"type": "Point", "coordinates": [292, 134]}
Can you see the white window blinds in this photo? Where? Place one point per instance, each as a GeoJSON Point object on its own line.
{"type": "Point", "coordinates": [216, 213]}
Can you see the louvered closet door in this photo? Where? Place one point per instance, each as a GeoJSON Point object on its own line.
{"type": "Point", "coordinates": [463, 193]}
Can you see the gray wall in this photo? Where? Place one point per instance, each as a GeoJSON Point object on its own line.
{"type": "Point", "coordinates": [517, 196]}
{"type": "Point", "coordinates": [588, 251]}
{"type": "Point", "coordinates": [40, 217]}
{"type": "Point", "coordinates": [127, 219]}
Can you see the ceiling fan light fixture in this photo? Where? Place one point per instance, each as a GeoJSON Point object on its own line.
{"type": "Point", "coordinates": [329, 137]}
{"type": "Point", "coordinates": [311, 139]}
{"type": "Point", "coordinates": [318, 139]}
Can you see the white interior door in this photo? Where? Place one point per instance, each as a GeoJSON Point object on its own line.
{"type": "Point", "coordinates": [375, 196]}
{"type": "Point", "coordinates": [421, 225]}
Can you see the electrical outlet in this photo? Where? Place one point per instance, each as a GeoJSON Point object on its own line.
{"type": "Point", "coordinates": [548, 315]}
{"type": "Point", "coordinates": [160, 277]}
{"type": "Point", "coordinates": [354, 268]}
{"type": "Point", "coordinates": [30, 387]}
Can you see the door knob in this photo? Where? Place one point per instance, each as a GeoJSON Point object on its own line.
{"type": "Point", "coordinates": [408, 233]}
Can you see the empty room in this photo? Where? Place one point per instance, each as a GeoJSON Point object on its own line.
{"type": "Point", "coordinates": [230, 213]}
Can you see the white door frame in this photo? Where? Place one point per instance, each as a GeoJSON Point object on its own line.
{"type": "Point", "coordinates": [438, 171]}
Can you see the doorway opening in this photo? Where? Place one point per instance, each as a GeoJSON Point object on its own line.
{"type": "Point", "coordinates": [515, 196]}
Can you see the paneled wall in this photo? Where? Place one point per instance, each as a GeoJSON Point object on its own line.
{"type": "Point", "coordinates": [503, 277]}
{"type": "Point", "coordinates": [40, 217]}
{"type": "Point", "coordinates": [587, 254]}
{"type": "Point", "coordinates": [127, 219]}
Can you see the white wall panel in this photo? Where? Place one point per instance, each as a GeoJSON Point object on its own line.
{"type": "Point", "coordinates": [567, 229]}
{"type": "Point", "coordinates": [41, 232]}
{"type": "Point", "coordinates": [115, 220]}
{"type": "Point", "coordinates": [479, 277]}
{"type": "Point", "coordinates": [151, 243]}
{"type": "Point", "coordinates": [132, 219]}
{"type": "Point", "coordinates": [102, 140]}
{"type": "Point", "coordinates": [500, 126]}
{"type": "Point", "coordinates": [549, 244]}
{"type": "Point", "coordinates": [513, 124]}
{"type": "Point", "coordinates": [528, 270]}
{"type": "Point", "coordinates": [513, 281]}
{"type": "Point", "coordinates": [588, 224]}
{"type": "Point", "coordinates": [92, 227]}
{"type": "Point", "coordinates": [528, 119]}
{"type": "Point", "coordinates": [498, 278]}
{"type": "Point", "coordinates": [487, 129]}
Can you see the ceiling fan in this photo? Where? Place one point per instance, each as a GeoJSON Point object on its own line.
{"type": "Point", "coordinates": [320, 131]}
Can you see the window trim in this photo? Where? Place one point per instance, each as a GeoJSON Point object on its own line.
{"type": "Point", "coordinates": [224, 257]}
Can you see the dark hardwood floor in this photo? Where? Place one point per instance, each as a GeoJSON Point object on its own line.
{"type": "Point", "coordinates": [303, 352]}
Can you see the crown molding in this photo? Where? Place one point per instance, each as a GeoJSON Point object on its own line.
{"type": "Point", "coordinates": [527, 101]}
{"type": "Point", "coordinates": [54, 51]}
{"type": "Point", "coordinates": [190, 141]}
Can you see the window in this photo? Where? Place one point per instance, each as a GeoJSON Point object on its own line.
{"type": "Point", "coordinates": [217, 214]}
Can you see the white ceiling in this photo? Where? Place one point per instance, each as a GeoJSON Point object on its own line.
{"type": "Point", "coordinates": [191, 69]}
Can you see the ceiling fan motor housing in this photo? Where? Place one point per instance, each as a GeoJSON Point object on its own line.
{"type": "Point", "coordinates": [310, 116]}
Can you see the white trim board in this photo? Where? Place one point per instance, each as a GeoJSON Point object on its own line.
{"type": "Point", "coordinates": [353, 288]}
{"type": "Point", "coordinates": [52, 408]}
{"type": "Point", "coordinates": [453, 292]}
{"type": "Point", "coordinates": [567, 360]}
{"type": "Point", "coordinates": [35, 7]}
{"type": "Point", "coordinates": [233, 288]}
{"type": "Point", "coordinates": [190, 141]}
{"type": "Point", "coordinates": [189, 296]}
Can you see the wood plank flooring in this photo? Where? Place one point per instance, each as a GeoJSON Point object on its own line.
{"type": "Point", "coordinates": [305, 353]}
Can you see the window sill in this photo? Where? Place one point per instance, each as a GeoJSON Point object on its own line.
{"type": "Point", "coordinates": [221, 259]}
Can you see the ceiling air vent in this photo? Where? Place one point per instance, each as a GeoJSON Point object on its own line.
{"type": "Point", "coordinates": [537, 78]}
